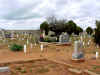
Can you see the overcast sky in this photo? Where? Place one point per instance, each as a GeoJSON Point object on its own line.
{"type": "Point", "coordinates": [28, 14]}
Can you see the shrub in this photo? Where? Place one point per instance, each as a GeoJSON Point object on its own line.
{"type": "Point", "coordinates": [50, 39]}
{"type": "Point", "coordinates": [47, 39]}
{"type": "Point", "coordinates": [16, 47]}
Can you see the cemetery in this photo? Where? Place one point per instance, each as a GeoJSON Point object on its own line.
{"type": "Point", "coordinates": [27, 55]}
{"type": "Point", "coordinates": [49, 37]}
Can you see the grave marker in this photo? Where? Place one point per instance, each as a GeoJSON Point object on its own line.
{"type": "Point", "coordinates": [31, 45]}
{"type": "Point", "coordinates": [64, 38]}
{"type": "Point", "coordinates": [97, 55]}
{"type": "Point", "coordinates": [78, 53]}
{"type": "Point", "coordinates": [25, 49]}
{"type": "Point", "coordinates": [41, 47]}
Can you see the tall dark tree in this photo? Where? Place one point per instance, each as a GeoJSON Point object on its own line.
{"type": "Point", "coordinates": [70, 27]}
{"type": "Point", "coordinates": [44, 26]}
{"type": "Point", "coordinates": [97, 33]}
{"type": "Point", "coordinates": [89, 30]}
{"type": "Point", "coordinates": [78, 30]}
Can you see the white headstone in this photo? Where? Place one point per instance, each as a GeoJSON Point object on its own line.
{"type": "Point", "coordinates": [88, 43]}
{"type": "Point", "coordinates": [97, 46]}
{"type": "Point", "coordinates": [17, 35]}
{"type": "Point", "coordinates": [22, 38]}
{"type": "Point", "coordinates": [27, 41]}
{"type": "Point", "coordinates": [8, 45]}
{"type": "Point", "coordinates": [81, 38]}
{"type": "Point", "coordinates": [35, 44]}
{"type": "Point", "coordinates": [31, 45]}
{"type": "Point", "coordinates": [76, 46]}
{"type": "Point", "coordinates": [24, 48]}
{"type": "Point", "coordinates": [97, 55]}
{"type": "Point", "coordinates": [78, 53]}
{"type": "Point", "coordinates": [41, 47]}
{"type": "Point", "coordinates": [83, 43]}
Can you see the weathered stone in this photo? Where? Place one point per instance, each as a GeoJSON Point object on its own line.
{"type": "Point", "coordinates": [78, 54]}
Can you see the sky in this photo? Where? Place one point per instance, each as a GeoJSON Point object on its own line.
{"type": "Point", "coordinates": [29, 14]}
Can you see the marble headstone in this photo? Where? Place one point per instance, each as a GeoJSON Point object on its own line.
{"type": "Point", "coordinates": [78, 53]}
{"type": "Point", "coordinates": [63, 38]}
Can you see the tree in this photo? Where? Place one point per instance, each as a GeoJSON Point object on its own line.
{"type": "Point", "coordinates": [44, 26]}
{"type": "Point", "coordinates": [89, 30]}
{"type": "Point", "coordinates": [56, 25]}
{"type": "Point", "coordinates": [70, 27]}
{"type": "Point", "coordinates": [78, 30]}
{"type": "Point", "coordinates": [97, 33]}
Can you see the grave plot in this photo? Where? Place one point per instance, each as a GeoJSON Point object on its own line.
{"type": "Point", "coordinates": [40, 67]}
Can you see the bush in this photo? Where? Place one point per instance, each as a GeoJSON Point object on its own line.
{"type": "Point", "coordinates": [16, 47]}
{"type": "Point", "coordinates": [50, 39]}
{"type": "Point", "coordinates": [47, 39]}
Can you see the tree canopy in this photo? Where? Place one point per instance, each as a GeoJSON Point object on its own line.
{"type": "Point", "coordinates": [44, 26]}
{"type": "Point", "coordinates": [89, 30]}
{"type": "Point", "coordinates": [97, 33]}
{"type": "Point", "coordinates": [60, 25]}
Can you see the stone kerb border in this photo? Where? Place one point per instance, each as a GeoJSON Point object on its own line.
{"type": "Point", "coordinates": [71, 68]}
{"type": "Point", "coordinates": [75, 70]}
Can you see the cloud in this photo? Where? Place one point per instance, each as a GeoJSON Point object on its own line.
{"type": "Point", "coordinates": [28, 14]}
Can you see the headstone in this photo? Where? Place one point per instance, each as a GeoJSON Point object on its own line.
{"type": "Point", "coordinates": [27, 41]}
{"type": "Point", "coordinates": [97, 46]}
{"type": "Point", "coordinates": [97, 55]}
{"type": "Point", "coordinates": [81, 38]}
{"type": "Point", "coordinates": [43, 34]}
{"type": "Point", "coordinates": [17, 35]}
{"type": "Point", "coordinates": [35, 44]}
{"type": "Point", "coordinates": [8, 46]}
{"type": "Point", "coordinates": [12, 35]}
{"type": "Point", "coordinates": [63, 38]}
{"type": "Point", "coordinates": [4, 69]}
{"type": "Point", "coordinates": [88, 43]}
{"type": "Point", "coordinates": [41, 47]}
{"type": "Point", "coordinates": [78, 53]}
{"type": "Point", "coordinates": [31, 45]}
{"type": "Point", "coordinates": [22, 38]}
{"type": "Point", "coordinates": [25, 49]}
{"type": "Point", "coordinates": [83, 44]}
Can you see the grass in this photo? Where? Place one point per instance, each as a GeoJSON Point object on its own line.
{"type": "Point", "coordinates": [31, 70]}
{"type": "Point", "coordinates": [18, 68]}
{"type": "Point", "coordinates": [96, 66]}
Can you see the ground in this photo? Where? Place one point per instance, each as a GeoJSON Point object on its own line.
{"type": "Point", "coordinates": [51, 52]}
